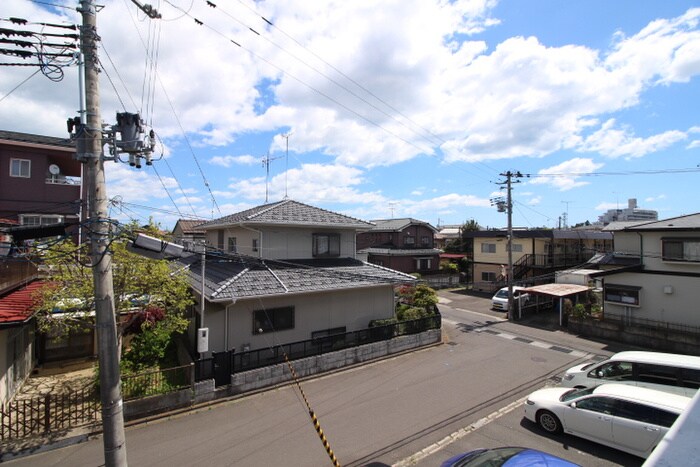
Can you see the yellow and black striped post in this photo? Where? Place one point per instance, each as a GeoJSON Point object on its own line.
{"type": "Point", "coordinates": [314, 419]}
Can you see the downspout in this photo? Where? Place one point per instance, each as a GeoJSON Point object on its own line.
{"type": "Point", "coordinates": [641, 247]}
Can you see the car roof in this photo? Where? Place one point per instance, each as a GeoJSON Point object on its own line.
{"type": "Point", "coordinates": [656, 398]}
{"type": "Point", "coordinates": [659, 358]}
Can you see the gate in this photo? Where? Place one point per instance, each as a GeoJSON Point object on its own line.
{"type": "Point", "coordinates": [49, 413]}
{"type": "Point", "coordinates": [222, 367]}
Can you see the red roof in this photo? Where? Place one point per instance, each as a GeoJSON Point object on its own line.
{"type": "Point", "coordinates": [452, 256]}
{"type": "Point", "coordinates": [17, 306]}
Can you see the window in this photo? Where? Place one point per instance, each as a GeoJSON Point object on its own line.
{"type": "Point", "coordinates": [597, 404]}
{"type": "Point", "coordinates": [20, 168]}
{"type": "Point", "coordinates": [408, 240]}
{"type": "Point", "coordinates": [37, 219]}
{"type": "Point", "coordinates": [644, 413]}
{"type": "Point", "coordinates": [622, 294]}
{"type": "Point", "coordinates": [326, 245]}
{"type": "Point", "coordinates": [425, 241]}
{"type": "Point", "coordinates": [680, 249]}
{"type": "Point", "coordinates": [488, 276]}
{"type": "Point", "coordinates": [274, 319]}
{"type": "Point", "coordinates": [657, 374]}
{"type": "Point", "coordinates": [231, 244]}
{"type": "Point", "coordinates": [488, 247]}
{"type": "Point", "coordinates": [516, 248]}
{"type": "Point", "coordinates": [422, 263]}
{"type": "Point", "coordinates": [613, 371]}
{"type": "Point", "coordinates": [255, 244]}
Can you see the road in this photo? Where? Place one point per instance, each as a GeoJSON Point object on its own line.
{"type": "Point", "coordinates": [414, 409]}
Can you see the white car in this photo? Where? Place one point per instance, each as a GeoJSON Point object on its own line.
{"type": "Point", "coordinates": [500, 300]}
{"type": "Point", "coordinates": [628, 418]}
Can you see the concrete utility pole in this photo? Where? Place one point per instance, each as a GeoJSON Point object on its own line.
{"type": "Point", "coordinates": [509, 208]}
{"type": "Point", "coordinates": [114, 440]}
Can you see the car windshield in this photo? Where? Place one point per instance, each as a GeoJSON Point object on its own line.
{"type": "Point", "coordinates": [502, 293]}
{"type": "Point", "coordinates": [575, 393]}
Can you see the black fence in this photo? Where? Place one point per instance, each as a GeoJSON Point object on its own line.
{"type": "Point", "coordinates": [221, 365]}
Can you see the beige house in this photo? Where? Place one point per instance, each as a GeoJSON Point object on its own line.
{"type": "Point", "coordinates": [535, 253]}
{"type": "Point", "coordinates": [663, 280]}
{"type": "Point", "coordinates": [286, 272]}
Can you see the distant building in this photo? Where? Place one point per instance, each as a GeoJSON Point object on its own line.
{"type": "Point", "coordinates": [631, 214]}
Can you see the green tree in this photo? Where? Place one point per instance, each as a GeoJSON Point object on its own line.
{"type": "Point", "coordinates": [138, 282]}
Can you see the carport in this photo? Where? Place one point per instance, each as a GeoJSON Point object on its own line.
{"type": "Point", "coordinates": [560, 291]}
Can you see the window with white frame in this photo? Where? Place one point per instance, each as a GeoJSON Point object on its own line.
{"type": "Point", "coordinates": [488, 247]}
{"type": "Point", "coordinates": [681, 249]}
{"type": "Point", "coordinates": [20, 168]}
{"type": "Point", "coordinates": [515, 248]}
{"type": "Point", "coordinates": [423, 263]}
{"type": "Point", "coordinates": [38, 219]}
{"type": "Point", "coordinates": [231, 245]}
{"type": "Point", "coordinates": [255, 244]}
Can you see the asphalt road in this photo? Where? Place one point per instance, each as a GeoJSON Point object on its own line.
{"type": "Point", "coordinates": [414, 409]}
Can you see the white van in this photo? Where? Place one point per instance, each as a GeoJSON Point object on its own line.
{"type": "Point", "coordinates": [667, 372]}
{"type": "Point", "coordinates": [500, 300]}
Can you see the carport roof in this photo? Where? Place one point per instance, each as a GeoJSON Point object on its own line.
{"type": "Point", "coordinates": [557, 290]}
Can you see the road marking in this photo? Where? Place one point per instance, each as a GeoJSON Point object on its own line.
{"type": "Point", "coordinates": [459, 434]}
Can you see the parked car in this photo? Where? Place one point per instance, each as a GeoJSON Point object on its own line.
{"type": "Point", "coordinates": [629, 418]}
{"type": "Point", "coordinates": [500, 300]}
{"type": "Point", "coordinates": [668, 372]}
{"type": "Point", "coordinates": [506, 457]}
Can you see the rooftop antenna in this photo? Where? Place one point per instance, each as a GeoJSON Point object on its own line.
{"type": "Point", "coordinates": [566, 214]}
{"type": "Point", "coordinates": [266, 163]}
{"type": "Point", "coordinates": [286, 169]}
{"type": "Point", "coordinates": [391, 207]}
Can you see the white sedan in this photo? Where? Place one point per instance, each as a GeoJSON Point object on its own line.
{"type": "Point", "coordinates": [624, 417]}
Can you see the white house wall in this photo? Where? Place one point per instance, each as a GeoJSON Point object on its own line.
{"type": "Point", "coordinates": [652, 253]}
{"type": "Point", "coordinates": [352, 308]}
{"type": "Point", "coordinates": [677, 304]}
{"type": "Point", "coordinates": [282, 242]}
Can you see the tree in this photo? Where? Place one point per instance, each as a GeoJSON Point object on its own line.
{"type": "Point", "coordinates": [139, 283]}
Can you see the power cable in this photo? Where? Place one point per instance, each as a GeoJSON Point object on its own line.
{"type": "Point", "coordinates": [300, 81]}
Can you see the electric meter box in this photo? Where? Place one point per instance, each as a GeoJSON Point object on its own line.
{"type": "Point", "coordinates": [202, 340]}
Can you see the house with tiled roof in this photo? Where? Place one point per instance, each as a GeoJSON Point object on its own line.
{"type": "Point", "coordinates": [187, 233]}
{"type": "Point", "coordinates": [17, 330]}
{"type": "Point", "coordinates": [40, 179]}
{"type": "Point", "coordinates": [286, 272]}
{"type": "Point", "coordinates": [657, 274]}
{"type": "Point", "coordinates": [407, 245]}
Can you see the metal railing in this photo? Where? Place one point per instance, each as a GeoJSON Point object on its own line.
{"type": "Point", "coordinates": [154, 382]}
{"type": "Point", "coordinates": [653, 324]}
{"type": "Point", "coordinates": [206, 368]}
{"type": "Point", "coordinates": [49, 413]}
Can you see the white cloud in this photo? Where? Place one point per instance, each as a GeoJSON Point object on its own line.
{"type": "Point", "coordinates": [612, 142]}
{"type": "Point", "coordinates": [564, 176]}
{"type": "Point", "coordinates": [534, 201]}
{"type": "Point", "coordinates": [693, 144]}
{"type": "Point", "coordinates": [228, 161]}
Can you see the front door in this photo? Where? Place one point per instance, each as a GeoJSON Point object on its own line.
{"type": "Point", "coordinates": [222, 368]}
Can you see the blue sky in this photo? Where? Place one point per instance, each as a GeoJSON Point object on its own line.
{"type": "Point", "coordinates": [404, 108]}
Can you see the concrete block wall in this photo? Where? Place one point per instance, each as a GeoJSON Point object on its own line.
{"type": "Point", "coordinates": [268, 376]}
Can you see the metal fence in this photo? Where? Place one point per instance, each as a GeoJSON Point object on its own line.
{"type": "Point", "coordinates": [49, 413]}
{"type": "Point", "coordinates": [162, 381]}
{"type": "Point", "coordinates": [661, 326]}
{"type": "Point", "coordinates": [222, 364]}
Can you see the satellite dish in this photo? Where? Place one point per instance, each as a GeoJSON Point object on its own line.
{"type": "Point", "coordinates": [54, 169]}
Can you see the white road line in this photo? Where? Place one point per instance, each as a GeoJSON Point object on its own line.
{"type": "Point", "coordinates": [461, 433]}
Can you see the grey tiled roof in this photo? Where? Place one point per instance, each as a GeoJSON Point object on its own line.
{"type": "Point", "coordinates": [397, 225]}
{"type": "Point", "coordinates": [36, 139]}
{"type": "Point", "coordinates": [288, 212]}
{"type": "Point", "coordinates": [190, 226]}
{"type": "Point", "coordinates": [239, 277]}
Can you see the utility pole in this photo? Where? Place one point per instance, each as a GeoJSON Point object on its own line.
{"type": "Point", "coordinates": [113, 437]}
{"type": "Point", "coordinates": [509, 209]}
